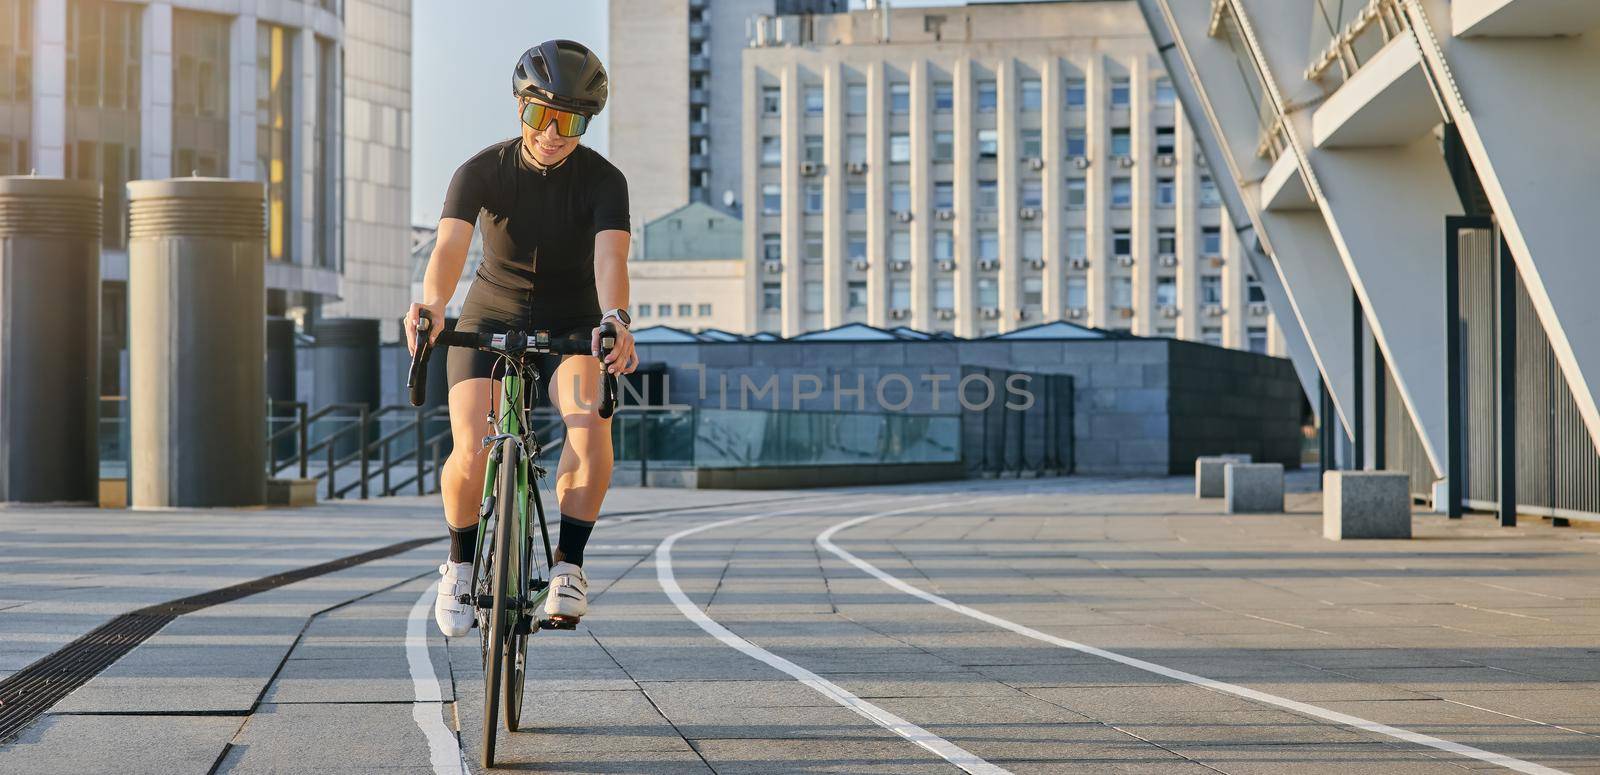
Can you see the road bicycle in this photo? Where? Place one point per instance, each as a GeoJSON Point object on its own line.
{"type": "Point", "coordinates": [509, 584]}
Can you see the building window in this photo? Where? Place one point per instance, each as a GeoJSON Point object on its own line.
{"type": "Point", "coordinates": [1077, 142]}
{"type": "Point", "coordinates": [1166, 141]}
{"type": "Point", "coordinates": [989, 245]}
{"type": "Point", "coordinates": [944, 294]}
{"type": "Point", "coordinates": [771, 150]}
{"type": "Point", "coordinates": [813, 199]}
{"type": "Point", "coordinates": [705, 310]}
{"type": "Point", "coordinates": [1121, 243]}
{"type": "Point", "coordinates": [1166, 192]}
{"type": "Point", "coordinates": [1211, 335]}
{"type": "Point", "coordinates": [1165, 96]}
{"type": "Point", "coordinates": [1077, 244]}
{"type": "Point", "coordinates": [988, 195]}
{"type": "Point", "coordinates": [813, 248]}
{"type": "Point", "coordinates": [771, 297]}
{"type": "Point", "coordinates": [900, 246]}
{"type": "Point", "coordinates": [1077, 193]}
{"type": "Point", "coordinates": [944, 245]}
{"type": "Point", "coordinates": [1077, 292]}
{"type": "Point", "coordinates": [1210, 289]}
{"type": "Point", "coordinates": [1166, 292]}
{"type": "Point", "coordinates": [771, 100]}
{"type": "Point", "coordinates": [944, 97]}
{"type": "Point", "coordinates": [900, 148]}
{"type": "Point", "coordinates": [856, 99]}
{"type": "Point", "coordinates": [944, 146]}
{"type": "Point", "coordinates": [1120, 93]}
{"type": "Point", "coordinates": [813, 149]}
{"type": "Point", "coordinates": [944, 195]}
{"type": "Point", "coordinates": [855, 198]}
{"type": "Point", "coordinates": [1032, 245]}
{"type": "Point", "coordinates": [1208, 192]}
{"type": "Point", "coordinates": [1030, 94]}
{"type": "Point", "coordinates": [1256, 338]}
{"type": "Point", "coordinates": [274, 124]}
{"type": "Point", "coordinates": [813, 296]}
{"type": "Point", "coordinates": [663, 310]}
{"type": "Point", "coordinates": [1167, 241]}
{"type": "Point", "coordinates": [1122, 292]}
{"type": "Point", "coordinates": [1253, 292]}
{"type": "Point", "coordinates": [987, 95]}
{"type": "Point", "coordinates": [856, 245]}
{"type": "Point", "coordinates": [855, 149]}
{"type": "Point", "coordinates": [1032, 292]}
{"type": "Point", "coordinates": [1032, 194]}
{"type": "Point", "coordinates": [900, 98]}
{"type": "Point", "coordinates": [771, 247]}
{"type": "Point", "coordinates": [988, 143]}
{"type": "Point", "coordinates": [814, 101]}
{"type": "Point", "coordinates": [900, 294]}
{"type": "Point", "coordinates": [643, 311]}
{"type": "Point", "coordinates": [200, 67]}
{"type": "Point", "coordinates": [856, 295]}
{"type": "Point", "coordinates": [1211, 241]}
{"type": "Point", "coordinates": [102, 111]}
{"type": "Point", "coordinates": [1032, 144]}
{"type": "Point", "coordinates": [1121, 143]}
{"type": "Point", "coordinates": [771, 199]}
{"type": "Point", "coordinates": [988, 292]}
{"type": "Point", "coordinates": [1121, 192]}
{"type": "Point", "coordinates": [1077, 93]}
{"type": "Point", "coordinates": [685, 310]}
{"type": "Point", "coordinates": [900, 197]}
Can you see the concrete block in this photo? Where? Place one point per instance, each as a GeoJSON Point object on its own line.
{"type": "Point", "coordinates": [1091, 351]}
{"type": "Point", "coordinates": [292, 492]}
{"type": "Point", "coordinates": [1117, 375]}
{"type": "Point", "coordinates": [1147, 351]}
{"type": "Point", "coordinates": [1208, 473]}
{"type": "Point", "coordinates": [1253, 487]}
{"type": "Point", "coordinates": [1366, 504]}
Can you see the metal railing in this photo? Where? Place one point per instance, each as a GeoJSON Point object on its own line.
{"type": "Point", "coordinates": [1347, 33]}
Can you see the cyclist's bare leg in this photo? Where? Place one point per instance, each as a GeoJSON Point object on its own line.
{"type": "Point", "coordinates": [586, 457]}
{"type": "Point", "coordinates": [461, 480]}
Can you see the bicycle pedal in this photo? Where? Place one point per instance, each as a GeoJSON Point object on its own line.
{"type": "Point", "coordinates": [559, 623]}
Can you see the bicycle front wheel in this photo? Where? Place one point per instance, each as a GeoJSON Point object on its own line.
{"type": "Point", "coordinates": [519, 561]}
{"type": "Point", "coordinates": [501, 613]}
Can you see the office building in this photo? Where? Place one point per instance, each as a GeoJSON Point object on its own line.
{"type": "Point", "coordinates": [311, 97]}
{"type": "Point", "coordinates": [978, 169]}
{"type": "Point", "coordinates": [1416, 174]}
{"type": "Point", "coordinates": [689, 273]}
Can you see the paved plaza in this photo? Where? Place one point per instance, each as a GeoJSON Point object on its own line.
{"type": "Point", "coordinates": [1072, 625]}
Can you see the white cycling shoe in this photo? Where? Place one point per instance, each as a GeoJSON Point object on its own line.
{"type": "Point", "coordinates": [453, 616]}
{"type": "Point", "coordinates": [569, 593]}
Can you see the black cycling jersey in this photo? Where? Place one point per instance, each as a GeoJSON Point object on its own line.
{"type": "Point", "coordinates": [539, 225]}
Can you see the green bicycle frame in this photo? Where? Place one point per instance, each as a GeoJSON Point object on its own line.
{"type": "Point", "coordinates": [510, 424]}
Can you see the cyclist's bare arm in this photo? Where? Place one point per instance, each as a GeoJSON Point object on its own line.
{"type": "Point", "coordinates": [611, 286]}
{"type": "Point", "coordinates": [444, 271]}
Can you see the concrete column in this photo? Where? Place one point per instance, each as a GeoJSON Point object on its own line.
{"type": "Point", "coordinates": [754, 262]}
{"type": "Point", "coordinates": [155, 91]}
{"type": "Point", "coordinates": [49, 88]}
{"type": "Point", "coordinates": [242, 99]}
{"type": "Point", "coordinates": [921, 197]}
{"type": "Point", "coordinates": [1006, 178]}
{"type": "Point", "coordinates": [965, 230]}
{"type": "Point", "coordinates": [793, 206]}
{"type": "Point", "coordinates": [1098, 99]}
{"type": "Point", "coordinates": [1186, 231]}
{"type": "Point", "coordinates": [1143, 148]}
{"type": "Point", "coordinates": [348, 369]}
{"type": "Point", "coordinates": [1051, 128]}
{"type": "Point", "coordinates": [306, 119]}
{"type": "Point", "coordinates": [49, 339]}
{"type": "Point", "coordinates": [197, 330]}
{"type": "Point", "coordinates": [835, 266]}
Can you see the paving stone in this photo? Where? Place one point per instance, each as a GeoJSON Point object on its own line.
{"type": "Point", "coordinates": [827, 755]}
{"type": "Point", "coordinates": [334, 737]}
{"type": "Point", "coordinates": [128, 745]}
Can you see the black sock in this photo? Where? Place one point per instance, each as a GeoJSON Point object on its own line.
{"type": "Point", "coordinates": [463, 543]}
{"type": "Point", "coordinates": [574, 535]}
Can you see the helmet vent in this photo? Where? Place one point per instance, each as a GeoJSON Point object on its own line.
{"type": "Point", "coordinates": [541, 67]}
{"type": "Point", "coordinates": [597, 82]}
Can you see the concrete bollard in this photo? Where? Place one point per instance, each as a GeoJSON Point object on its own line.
{"type": "Point", "coordinates": [1208, 474]}
{"type": "Point", "coordinates": [49, 340]}
{"type": "Point", "coordinates": [346, 368]}
{"type": "Point", "coordinates": [1366, 504]}
{"type": "Point", "coordinates": [197, 342]}
{"type": "Point", "coordinates": [1253, 488]}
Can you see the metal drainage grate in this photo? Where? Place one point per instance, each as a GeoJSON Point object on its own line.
{"type": "Point", "coordinates": [28, 693]}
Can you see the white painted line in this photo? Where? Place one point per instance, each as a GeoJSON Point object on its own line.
{"type": "Point", "coordinates": [669, 583]}
{"type": "Point", "coordinates": [444, 749]}
{"type": "Point", "coordinates": [825, 540]}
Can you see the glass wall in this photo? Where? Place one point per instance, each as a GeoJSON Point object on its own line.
{"type": "Point", "coordinates": [199, 94]}
{"type": "Point", "coordinates": [103, 79]}
{"type": "Point", "coordinates": [16, 86]}
{"type": "Point", "coordinates": [274, 119]}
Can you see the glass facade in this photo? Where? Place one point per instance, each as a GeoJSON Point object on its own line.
{"type": "Point", "coordinates": [16, 86]}
{"type": "Point", "coordinates": [199, 94]}
{"type": "Point", "coordinates": [102, 111]}
{"type": "Point", "coordinates": [274, 122]}
{"type": "Point", "coordinates": [325, 143]}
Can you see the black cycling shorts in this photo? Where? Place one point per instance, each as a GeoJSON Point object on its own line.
{"type": "Point", "coordinates": [490, 308]}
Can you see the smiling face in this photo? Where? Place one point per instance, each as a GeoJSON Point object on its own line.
{"type": "Point", "coordinates": [547, 145]}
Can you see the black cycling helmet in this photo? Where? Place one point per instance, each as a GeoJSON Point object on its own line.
{"type": "Point", "coordinates": [565, 74]}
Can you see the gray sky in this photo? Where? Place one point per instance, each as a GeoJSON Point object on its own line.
{"type": "Point", "coordinates": [462, 55]}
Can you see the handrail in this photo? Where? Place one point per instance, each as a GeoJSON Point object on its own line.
{"type": "Point", "coordinates": [1386, 15]}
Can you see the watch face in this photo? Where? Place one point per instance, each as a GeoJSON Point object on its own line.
{"type": "Point", "coordinates": [623, 316]}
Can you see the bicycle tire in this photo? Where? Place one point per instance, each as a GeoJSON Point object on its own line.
{"type": "Point", "coordinates": [498, 629]}
{"type": "Point", "coordinates": [515, 670]}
